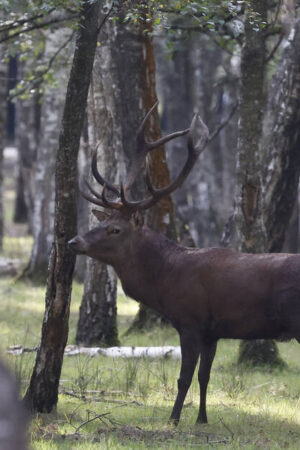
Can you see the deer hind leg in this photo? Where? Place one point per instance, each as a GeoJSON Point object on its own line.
{"type": "Point", "coordinates": [190, 349]}
{"type": "Point", "coordinates": [208, 351]}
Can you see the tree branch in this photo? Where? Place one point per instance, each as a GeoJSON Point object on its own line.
{"type": "Point", "coordinates": [220, 127]}
{"type": "Point", "coordinates": [274, 49]}
{"type": "Point", "coordinates": [39, 78]}
{"type": "Point", "coordinates": [37, 26]}
{"type": "Point", "coordinates": [17, 23]}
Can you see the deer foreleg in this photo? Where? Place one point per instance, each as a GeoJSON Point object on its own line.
{"type": "Point", "coordinates": [207, 352]}
{"type": "Point", "coordinates": [189, 342]}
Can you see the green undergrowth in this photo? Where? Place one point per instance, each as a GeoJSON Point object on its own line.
{"type": "Point", "coordinates": [125, 403]}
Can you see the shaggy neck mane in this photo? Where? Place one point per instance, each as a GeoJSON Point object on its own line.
{"type": "Point", "coordinates": [146, 262]}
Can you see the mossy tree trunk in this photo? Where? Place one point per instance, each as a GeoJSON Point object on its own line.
{"type": "Point", "coordinates": [42, 393]}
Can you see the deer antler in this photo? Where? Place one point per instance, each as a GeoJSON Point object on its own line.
{"type": "Point", "coordinates": [193, 153]}
{"type": "Point", "coordinates": [143, 147]}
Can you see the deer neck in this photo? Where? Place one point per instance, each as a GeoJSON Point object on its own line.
{"type": "Point", "coordinates": [145, 264]}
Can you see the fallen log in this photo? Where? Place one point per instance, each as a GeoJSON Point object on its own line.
{"type": "Point", "coordinates": [113, 352]}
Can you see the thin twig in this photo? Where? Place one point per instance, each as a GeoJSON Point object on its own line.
{"type": "Point", "coordinates": [227, 427]}
{"type": "Point", "coordinates": [98, 416]}
{"type": "Point", "coordinates": [106, 17]}
{"type": "Point", "coordinates": [222, 124]}
{"type": "Point", "coordinates": [274, 49]}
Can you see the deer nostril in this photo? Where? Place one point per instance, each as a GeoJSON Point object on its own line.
{"type": "Point", "coordinates": [77, 244]}
{"type": "Point", "coordinates": [73, 242]}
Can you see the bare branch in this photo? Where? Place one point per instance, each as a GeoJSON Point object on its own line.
{"type": "Point", "coordinates": [222, 124]}
{"type": "Point", "coordinates": [275, 48]}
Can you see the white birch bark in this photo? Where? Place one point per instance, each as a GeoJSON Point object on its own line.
{"type": "Point", "coordinates": [51, 114]}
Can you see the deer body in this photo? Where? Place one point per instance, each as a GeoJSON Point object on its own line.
{"type": "Point", "coordinates": [207, 294]}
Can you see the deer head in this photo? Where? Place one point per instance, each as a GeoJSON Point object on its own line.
{"type": "Point", "coordinates": [121, 216]}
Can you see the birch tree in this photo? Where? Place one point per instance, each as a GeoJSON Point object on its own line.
{"type": "Point", "coordinates": [123, 90]}
{"type": "Point", "coordinates": [51, 114]}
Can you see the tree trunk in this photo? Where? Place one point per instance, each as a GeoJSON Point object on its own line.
{"type": "Point", "coordinates": [121, 97]}
{"type": "Point", "coordinates": [43, 213]}
{"type": "Point", "coordinates": [161, 217]}
{"type": "Point", "coordinates": [42, 393]}
{"type": "Point", "coordinates": [251, 232]}
{"type": "Point", "coordinates": [195, 71]}
{"type": "Point", "coordinates": [83, 206]}
{"type": "Point", "coordinates": [281, 145]}
{"type": "Point", "coordinates": [97, 323]}
{"type": "Point", "coordinates": [97, 318]}
{"type": "Point", "coordinates": [28, 112]}
{"type": "Point", "coordinates": [282, 142]}
{"type": "Point", "coordinates": [3, 122]}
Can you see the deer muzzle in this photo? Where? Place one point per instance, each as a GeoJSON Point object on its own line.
{"type": "Point", "coordinates": [78, 245]}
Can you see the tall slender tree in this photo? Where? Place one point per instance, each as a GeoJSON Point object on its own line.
{"type": "Point", "coordinates": [123, 90]}
{"type": "Point", "coordinates": [52, 104]}
{"type": "Point", "coordinates": [249, 219]}
{"type": "Point", "coordinates": [42, 393]}
{"type": "Point", "coordinates": [194, 69]}
{"type": "Point", "coordinates": [3, 124]}
{"type": "Point", "coordinates": [28, 111]}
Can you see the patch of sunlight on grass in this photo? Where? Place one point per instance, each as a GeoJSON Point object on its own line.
{"type": "Point", "coordinates": [17, 247]}
{"type": "Point", "coordinates": [126, 306]}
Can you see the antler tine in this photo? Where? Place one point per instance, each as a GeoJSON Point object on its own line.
{"type": "Point", "coordinates": [91, 199]}
{"type": "Point", "coordinates": [165, 139]}
{"type": "Point", "coordinates": [204, 136]}
{"type": "Point", "coordinates": [144, 146]}
{"type": "Point", "coordinates": [109, 203]}
{"type": "Point", "coordinates": [141, 131]}
{"type": "Point", "coordinates": [101, 199]}
{"type": "Point", "coordinates": [152, 145]}
{"type": "Point", "coordinates": [92, 190]}
{"type": "Point", "coordinates": [99, 177]}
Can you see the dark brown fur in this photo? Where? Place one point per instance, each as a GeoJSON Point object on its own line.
{"type": "Point", "coordinates": [207, 294]}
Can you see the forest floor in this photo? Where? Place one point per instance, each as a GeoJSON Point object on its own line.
{"type": "Point", "coordinates": [125, 403]}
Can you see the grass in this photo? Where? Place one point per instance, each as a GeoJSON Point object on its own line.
{"type": "Point", "coordinates": [125, 403]}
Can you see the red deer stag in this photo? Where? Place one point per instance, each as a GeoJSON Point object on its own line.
{"type": "Point", "coordinates": [207, 294]}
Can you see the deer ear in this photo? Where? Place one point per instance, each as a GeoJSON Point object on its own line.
{"type": "Point", "coordinates": [137, 220]}
{"type": "Point", "coordinates": [101, 215]}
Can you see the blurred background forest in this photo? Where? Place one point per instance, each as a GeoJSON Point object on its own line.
{"type": "Point", "coordinates": [237, 63]}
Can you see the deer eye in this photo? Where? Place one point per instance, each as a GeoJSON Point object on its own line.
{"type": "Point", "coordinates": [113, 230]}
